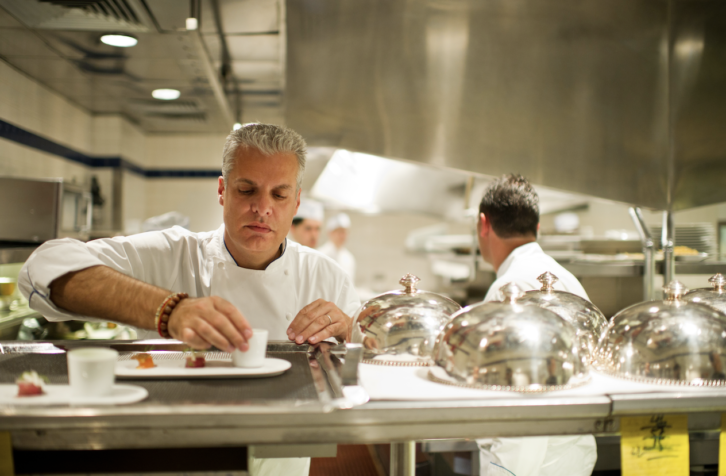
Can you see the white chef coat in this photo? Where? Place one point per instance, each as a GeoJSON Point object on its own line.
{"type": "Point", "coordinates": [524, 265]}
{"type": "Point", "coordinates": [538, 455]}
{"type": "Point", "coordinates": [341, 256]}
{"type": "Point", "coordinates": [198, 264]}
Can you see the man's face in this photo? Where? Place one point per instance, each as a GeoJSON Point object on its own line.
{"type": "Point", "coordinates": [259, 199]}
{"type": "Point", "coordinates": [307, 232]}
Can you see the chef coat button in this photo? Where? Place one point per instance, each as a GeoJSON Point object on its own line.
{"type": "Point", "coordinates": [221, 265]}
{"type": "Point", "coordinates": [286, 273]}
{"type": "Point", "coordinates": [289, 317]}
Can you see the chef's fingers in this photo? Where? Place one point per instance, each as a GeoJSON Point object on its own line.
{"type": "Point", "coordinates": [338, 329]}
{"type": "Point", "coordinates": [325, 316]}
{"type": "Point", "coordinates": [209, 333]}
{"type": "Point", "coordinates": [304, 318]}
{"type": "Point", "coordinates": [239, 330]}
{"type": "Point", "coordinates": [193, 340]}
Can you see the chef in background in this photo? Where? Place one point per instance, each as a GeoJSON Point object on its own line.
{"type": "Point", "coordinates": [225, 282]}
{"type": "Point", "coordinates": [507, 233]}
{"type": "Point", "coordinates": [307, 223]}
{"type": "Point", "coordinates": [337, 228]}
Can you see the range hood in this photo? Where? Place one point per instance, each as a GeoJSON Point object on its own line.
{"type": "Point", "coordinates": [622, 100]}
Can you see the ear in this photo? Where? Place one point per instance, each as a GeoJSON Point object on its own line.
{"type": "Point", "coordinates": [297, 205]}
{"type": "Point", "coordinates": [484, 225]}
{"type": "Point", "coordinates": [220, 190]}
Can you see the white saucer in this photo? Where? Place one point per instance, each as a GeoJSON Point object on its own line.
{"type": "Point", "coordinates": [215, 368]}
{"type": "Point", "coordinates": [61, 395]}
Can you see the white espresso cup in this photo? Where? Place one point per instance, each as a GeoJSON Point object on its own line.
{"type": "Point", "coordinates": [255, 355]}
{"type": "Point", "coordinates": [91, 371]}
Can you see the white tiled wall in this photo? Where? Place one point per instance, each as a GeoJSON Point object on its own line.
{"type": "Point", "coordinates": [185, 151]}
{"type": "Point", "coordinates": [195, 197]}
{"type": "Point", "coordinates": [113, 135]}
{"type": "Point", "coordinates": [27, 104]}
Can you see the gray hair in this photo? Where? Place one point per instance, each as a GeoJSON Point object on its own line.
{"type": "Point", "coordinates": [268, 139]}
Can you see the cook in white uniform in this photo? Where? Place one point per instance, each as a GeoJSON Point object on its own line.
{"type": "Point", "coordinates": [337, 228]}
{"type": "Point", "coordinates": [307, 222]}
{"type": "Point", "coordinates": [241, 276]}
{"type": "Point", "coordinates": [507, 232]}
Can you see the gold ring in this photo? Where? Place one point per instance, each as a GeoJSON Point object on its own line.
{"type": "Point", "coordinates": [331, 319]}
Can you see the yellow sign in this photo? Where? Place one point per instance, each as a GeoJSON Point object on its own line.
{"type": "Point", "coordinates": [656, 444]}
{"type": "Point", "coordinates": [722, 449]}
{"type": "Point", "coordinates": [6, 455]}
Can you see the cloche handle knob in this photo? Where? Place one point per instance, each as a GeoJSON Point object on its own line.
{"type": "Point", "coordinates": [718, 282]}
{"type": "Point", "coordinates": [511, 292]}
{"type": "Point", "coordinates": [409, 281]}
{"type": "Point", "coordinates": [548, 281]}
{"type": "Point", "coordinates": [674, 290]}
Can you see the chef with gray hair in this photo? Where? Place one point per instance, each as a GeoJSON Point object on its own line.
{"type": "Point", "coordinates": [243, 275]}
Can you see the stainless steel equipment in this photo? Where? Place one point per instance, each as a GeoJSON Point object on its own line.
{"type": "Point", "coordinates": [400, 327]}
{"type": "Point", "coordinates": [669, 342]}
{"type": "Point", "coordinates": [648, 243]}
{"type": "Point", "coordinates": [509, 345]}
{"type": "Point", "coordinates": [587, 319]}
{"type": "Point", "coordinates": [39, 210]}
{"type": "Point", "coordinates": [714, 296]}
{"type": "Point", "coordinates": [615, 98]}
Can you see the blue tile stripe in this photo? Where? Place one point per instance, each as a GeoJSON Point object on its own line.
{"type": "Point", "coordinates": [21, 136]}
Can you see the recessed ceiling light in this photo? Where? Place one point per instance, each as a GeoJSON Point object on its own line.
{"type": "Point", "coordinates": [166, 94]}
{"type": "Point", "coordinates": [122, 41]}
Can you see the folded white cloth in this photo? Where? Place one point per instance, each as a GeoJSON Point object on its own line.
{"type": "Point", "coordinates": [537, 456]}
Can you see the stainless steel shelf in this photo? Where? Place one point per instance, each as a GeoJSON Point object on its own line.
{"type": "Point", "coordinates": [630, 268]}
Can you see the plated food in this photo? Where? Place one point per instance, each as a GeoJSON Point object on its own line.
{"type": "Point", "coordinates": [31, 384]}
{"type": "Point", "coordinates": [195, 360]}
{"type": "Point", "coordinates": [145, 360]}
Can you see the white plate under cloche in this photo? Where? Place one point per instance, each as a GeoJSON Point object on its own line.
{"type": "Point", "coordinates": [61, 395]}
{"type": "Point", "coordinates": [175, 368]}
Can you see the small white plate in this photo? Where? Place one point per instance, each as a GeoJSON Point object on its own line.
{"type": "Point", "coordinates": [175, 368]}
{"type": "Point", "coordinates": [61, 395]}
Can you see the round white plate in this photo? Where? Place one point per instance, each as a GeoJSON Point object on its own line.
{"type": "Point", "coordinates": [214, 369]}
{"type": "Point", "coordinates": [61, 395]}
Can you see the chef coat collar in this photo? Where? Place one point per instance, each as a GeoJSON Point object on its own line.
{"type": "Point", "coordinates": [283, 247]}
{"type": "Point", "coordinates": [521, 251]}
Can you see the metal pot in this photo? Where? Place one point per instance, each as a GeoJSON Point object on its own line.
{"type": "Point", "coordinates": [508, 345]}
{"type": "Point", "coordinates": [400, 327]}
{"type": "Point", "coordinates": [589, 322]}
{"type": "Point", "coordinates": [672, 342]}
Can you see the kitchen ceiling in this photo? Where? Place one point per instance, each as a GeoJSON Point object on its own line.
{"type": "Point", "coordinates": [237, 75]}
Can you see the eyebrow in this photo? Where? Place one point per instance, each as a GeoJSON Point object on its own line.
{"type": "Point", "coordinates": [251, 182]}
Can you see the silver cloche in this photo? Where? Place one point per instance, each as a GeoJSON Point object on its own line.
{"type": "Point", "coordinates": [715, 296]}
{"type": "Point", "coordinates": [589, 322]}
{"type": "Point", "coordinates": [400, 327]}
{"type": "Point", "coordinates": [508, 345]}
{"type": "Point", "coordinates": [671, 342]}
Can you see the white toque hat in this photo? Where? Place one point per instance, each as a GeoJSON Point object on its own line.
{"type": "Point", "coordinates": [310, 210]}
{"type": "Point", "coordinates": [341, 220]}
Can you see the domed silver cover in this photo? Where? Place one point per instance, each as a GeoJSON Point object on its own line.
{"type": "Point", "coordinates": [400, 327]}
{"type": "Point", "coordinates": [668, 342]}
{"type": "Point", "coordinates": [589, 322]}
{"type": "Point", "coordinates": [508, 346]}
{"type": "Point", "coordinates": [715, 296]}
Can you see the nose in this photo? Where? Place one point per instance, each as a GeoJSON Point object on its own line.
{"type": "Point", "coordinates": [262, 205]}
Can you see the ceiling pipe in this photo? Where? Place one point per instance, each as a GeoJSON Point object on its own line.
{"type": "Point", "coordinates": [226, 71]}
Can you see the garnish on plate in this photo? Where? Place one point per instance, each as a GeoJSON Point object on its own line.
{"type": "Point", "coordinates": [31, 384]}
{"type": "Point", "coordinates": [195, 360]}
{"type": "Point", "coordinates": [146, 361]}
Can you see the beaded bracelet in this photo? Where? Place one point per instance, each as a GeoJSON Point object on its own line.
{"type": "Point", "coordinates": [163, 313]}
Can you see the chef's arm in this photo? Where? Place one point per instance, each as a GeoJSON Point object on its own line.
{"type": "Point", "coordinates": [102, 292]}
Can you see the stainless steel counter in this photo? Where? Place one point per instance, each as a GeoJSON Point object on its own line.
{"type": "Point", "coordinates": [334, 417]}
{"type": "Point", "coordinates": [635, 268]}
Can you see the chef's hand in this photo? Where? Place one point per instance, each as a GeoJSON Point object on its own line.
{"type": "Point", "coordinates": [209, 321]}
{"type": "Point", "coordinates": [317, 321]}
